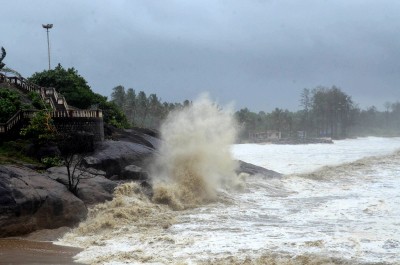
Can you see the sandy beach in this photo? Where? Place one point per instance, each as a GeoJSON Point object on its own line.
{"type": "Point", "coordinates": [36, 249]}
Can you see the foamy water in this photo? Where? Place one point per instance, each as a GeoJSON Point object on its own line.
{"type": "Point", "coordinates": [289, 159]}
{"type": "Point", "coordinates": [347, 213]}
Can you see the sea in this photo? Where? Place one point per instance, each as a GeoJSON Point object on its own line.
{"type": "Point", "coordinates": [335, 204]}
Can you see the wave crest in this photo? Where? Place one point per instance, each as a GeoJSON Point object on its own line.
{"type": "Point", "coordinates": [195, 158]}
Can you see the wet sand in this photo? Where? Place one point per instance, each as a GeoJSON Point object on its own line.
{"type": "Point", "coordinates": [22, 251]}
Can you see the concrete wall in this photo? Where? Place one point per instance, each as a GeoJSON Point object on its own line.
{"type": "Point", "coordinates": [90, 125]}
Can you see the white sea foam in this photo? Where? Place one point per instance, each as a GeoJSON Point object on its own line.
{"type": "Point", "coordinates": [289, 159]}
{"type": "Point", "coordinates": [346, 213]}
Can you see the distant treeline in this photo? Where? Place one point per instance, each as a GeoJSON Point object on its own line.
{"type": "Point", "coordinates": [326, 112]}
{"type": "Point", "coordinates": [142, 110]}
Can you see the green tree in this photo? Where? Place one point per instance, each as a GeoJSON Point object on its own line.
{"type": "Point", "coordinates": [155, 111]}
{"type": "Point", "coordinates": [3, 55]}
{"type": "Point", "coordinates": [70, 84]}
{"type": "Point", "coordinates": [37, 101]}
{"type": "Point", "coordinates": [10, 103]}
{"type": "Point", "coordinates": [118, 96]}
{"type": "Point", "coordinates": [306, 103]}
{"type": "Point", "coordinates": [73, 148]}
{"type": "Point", "coordinates": [247, 122]}
{"type": "Point", "coordinates": [130, 106]}
{"type": "Point", "coordinates": [142, 107]}
{"type": "Point", "coordinates": [40, 129]}
{"type": "Point", "coordinates": [112, 114]}
{"type": "Point", "coordinates": [78, 93]}
{"type": "Point", "coordinates": [331, 110]}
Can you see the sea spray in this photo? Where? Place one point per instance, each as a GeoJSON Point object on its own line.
{"type": "Point", "coordinates": [195, 158]}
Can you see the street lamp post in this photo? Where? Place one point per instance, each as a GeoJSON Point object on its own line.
{"type": "Point", "coordinates": [47, 27]}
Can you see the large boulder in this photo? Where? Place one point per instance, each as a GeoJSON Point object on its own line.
{"type": "Point", "coordinates": [251, 169]}
{"type": "Point", "coordinates": [143, 136]}
{"type": "Point", "coordinates": [133, 172]}
{"type": "Point", "coordinates": [30, 201]}
{"type": "Point", "coordinates": [93, 186]}
{"type": "Point", "coordinates": [113, 156]}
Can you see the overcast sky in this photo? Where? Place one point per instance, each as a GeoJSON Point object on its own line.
{"type": "Point", "coordinates": [256, 54]}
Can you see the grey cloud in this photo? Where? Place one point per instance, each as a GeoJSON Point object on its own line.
{"type": "Point", "coordinates": [259, 54]}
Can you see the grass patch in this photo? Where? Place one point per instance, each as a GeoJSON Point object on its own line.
{"type": "Point", "coordinates": [13, 152]}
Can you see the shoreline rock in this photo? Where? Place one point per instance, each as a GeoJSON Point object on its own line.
{"type": "Point", "coordinates": [32, 200]}
{"type": "Point", "coordinates": [251, 169]}
{"type": "Point", "coordinates": [92, 189]}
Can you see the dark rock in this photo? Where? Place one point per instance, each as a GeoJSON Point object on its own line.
{"type": "Point", "coordinates": [256, 170]}
{"type": "Point", "coordinates": [147, 137]}
{"type": "Point", "coordinates": [113, 156]}
{"type": "Point", "coordinates": [47, 151]}
{"type": "Point", "coordinates": [40, 151]}
{"type": "Point", "coordinates": [31, 201]}
{"type": "Point", "coordinates": [141, 136]}
{"type": "Point", "coordinates": [76, 143]}
{"type": "Point", "coordinates": [147, 188]}
{"type": "Point", "coordinates": [92, 189]}
{"type": "Point", "coordinates": [133, 172]}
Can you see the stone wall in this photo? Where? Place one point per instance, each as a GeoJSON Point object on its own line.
{"type": "Point", "coordinates": [89, 125]}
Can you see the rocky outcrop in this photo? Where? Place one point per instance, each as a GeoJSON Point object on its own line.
{"type": "Point", "coordinates": [256, 170]}
{"type": "Point", "coordinates": [30, 201]}
{"type": "Point", "coordinates": [143, 136]}
{"type": "Point", "coordinates": [113, 156]}
{"type": "Point", "coordinates": [93, 187]}
{"type": "Point", "coordinates": [135, 173]}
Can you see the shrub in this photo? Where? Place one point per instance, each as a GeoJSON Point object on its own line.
{"type": "Point", "coordinates": [37, 101]}
{"type": "Point", "coordinates": [51, 161]}
{"type": "Point", "coordinates": [40, 128]}
{"type": "Point", "coordinates": [10, 103]}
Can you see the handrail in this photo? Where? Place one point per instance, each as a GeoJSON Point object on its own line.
{"type": "Point", "coordinates": [77, 114]}
{"type": "Point", "coordinates": [5, 127]}
{"type": "Point", "coordinates": [28, 114]}
{"type": "Point", "coordinates": [28, 87]}
{"type": "Point", "coordinates": [43, 92]}
{"type": "Point", "coordinates": [20, 82]}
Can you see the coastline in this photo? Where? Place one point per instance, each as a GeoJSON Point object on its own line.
{"type": "Point", "coordinates": [37, 248]}
{"type": "Point", "coordinates": [23, 251]}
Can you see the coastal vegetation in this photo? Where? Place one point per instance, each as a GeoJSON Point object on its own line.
{"type": "Point", "coordinates": [142, 110]}
{"type": "Point", "coordinates": [10, 103]}
{"type": "Point", "coordinates": [325, 112]}
{"type": "Point", "coordinates": [79, 94]}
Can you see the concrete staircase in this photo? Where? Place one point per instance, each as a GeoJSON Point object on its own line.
{"type": "Point", "coordinates": [58, 104]}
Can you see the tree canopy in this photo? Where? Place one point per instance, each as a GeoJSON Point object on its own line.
{"type": "Point", "coordinates": [78, 93]}
{"type": "Point", "coordinates": [142, 110]}
{"type": "Point", "coordinates": [10, 103]}
{"type": "Point", "coordinates": [326, 111]}
{"type": "Point", "coordinates": [70, 84]}
{"type": "Point", "coordinates": [2, 56]}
